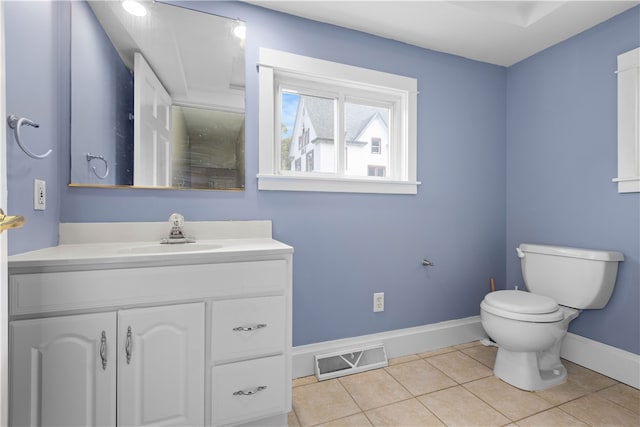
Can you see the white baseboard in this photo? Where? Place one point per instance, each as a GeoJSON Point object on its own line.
{"type": "Point", "coordinates": [611, 361]}
{"type": "Point", "coordinates": [400, 342]}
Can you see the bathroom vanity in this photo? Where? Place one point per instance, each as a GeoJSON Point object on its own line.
{"type": "Point", "coordinates": [112, 328]}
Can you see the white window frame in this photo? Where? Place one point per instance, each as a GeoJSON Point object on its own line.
{"type": "Point", "coordinates": [629, 122]}
{"type": "Point", "coordinates": [276, 66]}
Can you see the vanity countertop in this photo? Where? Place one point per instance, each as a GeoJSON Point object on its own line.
{"type": "Point", "coordinates": [126, 245]}
{"type": "Point", "coordinates": [121, 253]}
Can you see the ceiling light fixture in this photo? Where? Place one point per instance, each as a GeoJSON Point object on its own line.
{"type": "Point", "coordinates": [240, 30]}
{"type": "Point", "coordinates": [133, 7]}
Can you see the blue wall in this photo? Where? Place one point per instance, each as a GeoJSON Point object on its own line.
{"type": "Point", "coordinates": [348, 246]}
{"type": "Point", "coordinates": [101, 102]}
{"type": "Point", "coordinates": [34, 54]}
{"type": "Point", "coordinates": [561, 157]}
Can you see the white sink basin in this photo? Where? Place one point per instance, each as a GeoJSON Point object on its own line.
{"type": "Point", "coordinates": [159, 248]}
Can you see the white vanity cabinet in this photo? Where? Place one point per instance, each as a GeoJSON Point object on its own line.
{"type": "Point", "coordinates": [67, 371]}
{"type": "Point", "coordinates": [176, 339]}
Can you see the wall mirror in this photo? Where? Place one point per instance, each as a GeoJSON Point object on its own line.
{"type": "Point", "coordinates": [156, 100]}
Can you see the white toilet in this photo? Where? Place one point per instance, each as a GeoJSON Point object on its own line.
{"type": "Point", "coordinates": [528, 327]}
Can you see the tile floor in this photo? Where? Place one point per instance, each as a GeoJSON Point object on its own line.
{"type": "Point", "coordinates": [455, 386]}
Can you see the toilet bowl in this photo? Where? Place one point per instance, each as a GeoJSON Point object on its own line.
{"type": "Point", "coordinates": [529, 343]}
{"type": "Point", "coordinates": [529, 327]}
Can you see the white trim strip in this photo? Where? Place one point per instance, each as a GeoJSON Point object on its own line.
{"type": "Point", "coordinates": [613, 362]}
{"type": "Point", "coordinates": [632, 178]}
{"type": "Point", "coordinates": [286, 61]}
{"type": "Point", "coordinates": [340, 185]}
{"type": "Point", "coordinates": [400, 342]}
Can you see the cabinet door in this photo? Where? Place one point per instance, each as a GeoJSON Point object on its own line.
{"type": "Point", "coordinates": [161, 366]}
{"type": "Point", "coordinates": [63, 371]}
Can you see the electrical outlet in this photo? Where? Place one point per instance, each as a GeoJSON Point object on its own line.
{"type": "Point", "coordinates": [39, 194]}
{"type": "Point", "coordinates": [378, 302]}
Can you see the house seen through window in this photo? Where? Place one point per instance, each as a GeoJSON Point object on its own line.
{"type": "Point", "coordinates": [308, 136]}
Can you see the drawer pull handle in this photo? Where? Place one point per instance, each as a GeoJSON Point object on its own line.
{"type": "Point", "coordinates": [250, 392]}
{"type": "Point", "coordinates": [127, 345]}
{"type": "Point", "coordinates": [250, 328]}
{"type": "Point", "coordinates": [103, 350]}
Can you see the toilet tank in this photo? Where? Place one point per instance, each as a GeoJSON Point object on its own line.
{"type": "Point", "coordinates": [573, 277]}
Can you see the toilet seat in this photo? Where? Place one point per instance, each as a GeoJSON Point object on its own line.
{"type": "Point", "coordinates": [524, 306]}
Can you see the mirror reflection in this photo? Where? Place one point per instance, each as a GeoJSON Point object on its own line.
{"type": "Point", "coordinates": [156, 100]}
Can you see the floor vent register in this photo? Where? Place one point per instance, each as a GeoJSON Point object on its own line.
{"type": "Point", "coordinates": [347, 362]}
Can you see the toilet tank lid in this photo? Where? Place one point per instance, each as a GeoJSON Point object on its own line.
{"type": "Point", "coordinates": [570, 252]}
{"type": "Point", "coordinates": [521, 302]}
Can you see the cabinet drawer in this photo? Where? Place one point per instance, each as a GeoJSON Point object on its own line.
{"type": "Point", "coordinates": [250, 327]}
{"type": "Point", "coordinates": [81, 290]}
{"type": "Point", "coordinates": [248, 390]}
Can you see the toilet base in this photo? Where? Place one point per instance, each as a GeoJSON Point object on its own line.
{"type": "Point", "coordinates": [529, 370]}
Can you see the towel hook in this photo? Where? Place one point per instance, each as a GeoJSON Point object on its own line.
{"type": "Point", "coordinates": [106, 165]}
{"type": "Point", "coordinates": [16, 123]}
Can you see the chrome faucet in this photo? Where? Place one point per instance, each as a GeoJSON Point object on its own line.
{"type": "Point", "coordinates": [176, 235]}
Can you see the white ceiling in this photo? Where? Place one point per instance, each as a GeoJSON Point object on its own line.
{"type": "Point", "coordinates": [195, 55]}
{"type": "Point", "coordinates": [497, 32]}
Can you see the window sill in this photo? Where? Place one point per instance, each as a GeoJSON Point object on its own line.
{"type": "Point", "coordinates": [339, 185]}
{"type": "Point", "coordinates": [628, 185]}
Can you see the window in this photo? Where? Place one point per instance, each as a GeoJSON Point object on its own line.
{"type": "Point", "coordinates": [629, 122]}
{"type": "Point", "coordinates": [375, 145]}
{"type": "Point", "coordinates": [309, 161]}
{"type": "Point", "coordinates": [332, 127]}
{"type": "Point", "coordinates": [376, 170]}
